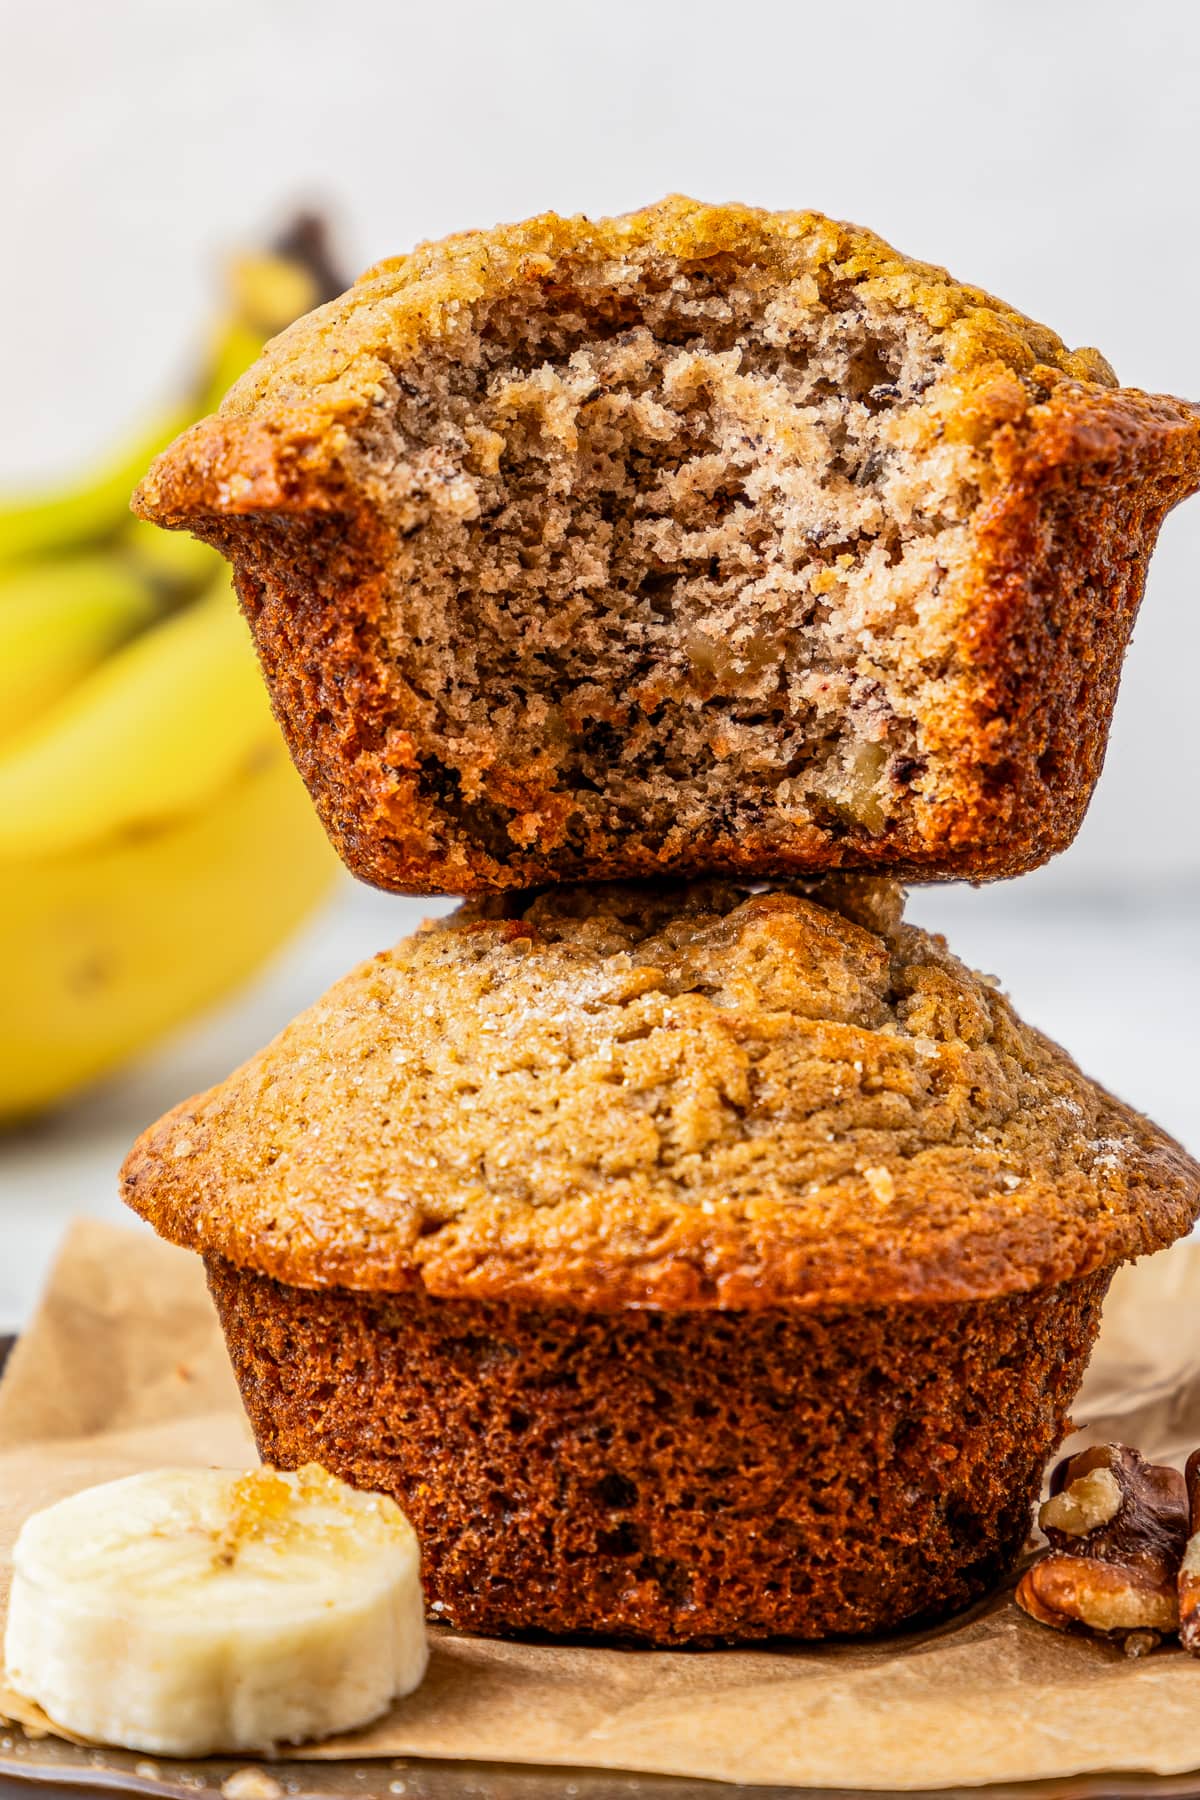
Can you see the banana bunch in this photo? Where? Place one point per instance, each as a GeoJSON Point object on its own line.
{"type": "Point", "coordinates": [155, 842]}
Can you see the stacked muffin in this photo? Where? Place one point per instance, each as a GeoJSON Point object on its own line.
{"type": "Point", "coordinates": [695, 1260]}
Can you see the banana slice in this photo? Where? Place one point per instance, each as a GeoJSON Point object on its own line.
{"type": "Point", "coordinates": [189, 1611]}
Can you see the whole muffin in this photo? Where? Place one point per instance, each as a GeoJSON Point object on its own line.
{"type": "Point", "coordinates": [693, 1264]}
{"type": "Point", "coordinates": [703, 538]}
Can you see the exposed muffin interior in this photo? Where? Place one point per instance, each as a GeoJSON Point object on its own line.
{"type": "Point", "coordinates": [703, 539]}
{"type": "Point", "coordinates": [667, 548]}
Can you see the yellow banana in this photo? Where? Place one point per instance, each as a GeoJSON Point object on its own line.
{"type": "Point", "coordinates": [86, 512]}
{"type": "Point", "coordinates": [113, 945]}
{"type": "Point", "coordinates": [267, 291]}
{"type": "Point", "coordinates": [155, 844]}
{"type": "Point", "coordinates": [174, 562]}
{"type": "Point", "coordinates": [57, 621]}
{"type": "Point", "coordinates": [148, 736]}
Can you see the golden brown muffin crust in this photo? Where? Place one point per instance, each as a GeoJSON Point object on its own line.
{"type": "Point", "coordinates": [674, 1096]}
{"type": "Point", "coordinates": [337, 362]}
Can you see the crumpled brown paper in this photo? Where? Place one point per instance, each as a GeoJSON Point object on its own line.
{"type": "Point", "coordinates": [123, 1369]}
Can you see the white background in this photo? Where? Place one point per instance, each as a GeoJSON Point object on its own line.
{"type": "Point", "coordinates": [1049, 152]}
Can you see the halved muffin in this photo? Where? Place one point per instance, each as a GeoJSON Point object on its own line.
{"type": "Point", "coordinates": [703, 538]}
{"type": "Point", "coordinates": [693, 1265]}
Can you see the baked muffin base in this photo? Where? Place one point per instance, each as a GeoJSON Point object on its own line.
{"type": "Point", "coordinates": [675, 1478]}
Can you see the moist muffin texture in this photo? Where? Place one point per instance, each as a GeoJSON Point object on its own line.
{"type": "Point", "coordinates": [694, 1264]}
{"type": "Point", "coordinates": [674, 1095]}
{"type": "Point", "coordinates": [702, 538]}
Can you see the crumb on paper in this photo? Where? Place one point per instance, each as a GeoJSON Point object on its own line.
{"type": "Point", "coordinates": [251, 1784]}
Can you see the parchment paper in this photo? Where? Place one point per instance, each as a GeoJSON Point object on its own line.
{"type": "Point", "coordinates": [123, 1369]}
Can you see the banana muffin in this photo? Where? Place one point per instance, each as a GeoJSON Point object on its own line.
{"type": "Point", "coordinates": [693, 1264]}
{"type": "Point", "coordinates": [701, 539]}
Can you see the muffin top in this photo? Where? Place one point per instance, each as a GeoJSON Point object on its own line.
{"type": "Point", "coordinates": [674, 1095]}
{"type": "Point", "coordinates": [280, 440]}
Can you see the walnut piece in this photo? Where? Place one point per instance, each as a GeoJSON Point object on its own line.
{"type": "Point", "coordinates": [1189, 1568]}
{"type": "Point", "coordinates": [1091, 1501]}
{"type": "Point", "coordinates": [1070, 1591]}
{"type": "Point", "coordinates": [1118, 1527]}
{"type": "Point", "coordinates": [1148, 1527]}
